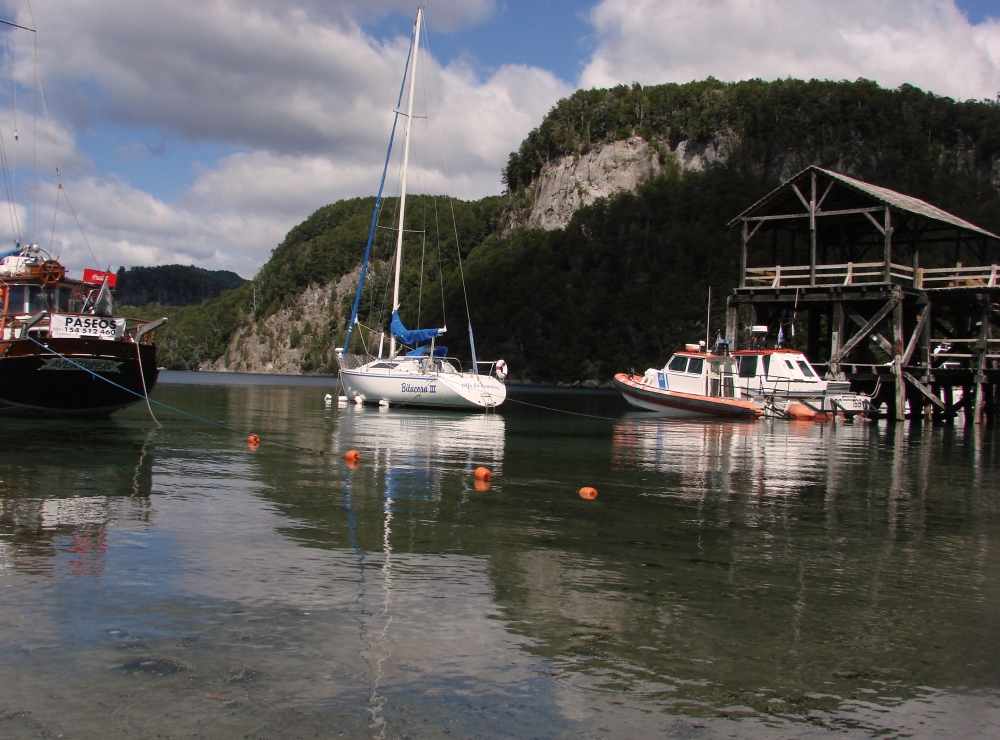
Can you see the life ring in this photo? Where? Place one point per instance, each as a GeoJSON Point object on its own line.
{"type": "Point", "coordinates": [501, 367]}
{"type": "Point", "coordinates": [51, 272]}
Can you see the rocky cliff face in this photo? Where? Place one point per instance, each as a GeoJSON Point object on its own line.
{"type": "Point", "coordinates": [572, 181]}
{"type": "Point", "coordinates": [294, 341]}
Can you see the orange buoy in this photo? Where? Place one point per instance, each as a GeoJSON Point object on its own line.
{"type": "Point", "coordinates": [483, 474]}
{"type": "Point", "coordinates": [253, 441]}
{"type": "Point", "coordinates": [481, 485]}
{"type": "Point", "coordinates": [353, 457]}
{"type": "Point", "coordinates": [588, 493]}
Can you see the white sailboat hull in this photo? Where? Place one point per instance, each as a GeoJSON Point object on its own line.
{"type": "Point", "coordinates": [431, 390]}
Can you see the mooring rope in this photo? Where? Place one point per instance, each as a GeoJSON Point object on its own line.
{"type": "Point", "coordinates": [310, 450]}
{"type": "Point", "coordinates": [563, 411]}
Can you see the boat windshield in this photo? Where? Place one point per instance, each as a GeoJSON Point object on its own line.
{"type": "Point", "coordinates": [677, 364]}
{"type": "Point", "coordinates": [806, 370]}
{"type": "Point", "coordinates": [748, 366]}
{"type": "Point", "coordinates": [695, 365]}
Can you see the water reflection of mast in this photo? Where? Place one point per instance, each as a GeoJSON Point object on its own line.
{"type": "Point", "coordinates": [376, 701]}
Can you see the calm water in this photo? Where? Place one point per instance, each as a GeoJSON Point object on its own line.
{"type": "Point", "coordinates": [731, 580]}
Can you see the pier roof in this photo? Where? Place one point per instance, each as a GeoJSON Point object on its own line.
{"type": "Point", "coordinates": [792, 201]}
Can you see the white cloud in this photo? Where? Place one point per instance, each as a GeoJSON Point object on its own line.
{"type": "Point", "coordinates": [299, 87]}
{"type": "Point", "coordinates": [927, 43]}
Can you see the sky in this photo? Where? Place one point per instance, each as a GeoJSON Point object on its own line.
{"type": "Point", "coordinates": [201, 131]}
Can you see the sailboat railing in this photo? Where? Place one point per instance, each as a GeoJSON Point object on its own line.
{"type": "Point", "coordinates": [350, 361]}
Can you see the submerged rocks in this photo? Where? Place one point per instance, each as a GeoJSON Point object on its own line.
{"type": "Point", "coordinates": [152, 666]}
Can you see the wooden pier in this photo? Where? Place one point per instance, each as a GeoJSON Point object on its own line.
{"type": "Point", "coordinates": [879, 288]}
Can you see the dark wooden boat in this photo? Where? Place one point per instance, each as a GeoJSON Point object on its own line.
{"type": "Point", "coordinates": [63, 349]}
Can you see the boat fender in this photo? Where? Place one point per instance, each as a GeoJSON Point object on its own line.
{"type": "Point", "coordinates": [483, 473]}
{"type": "Point", "coordinates": [253, 442]}
{"type": "Point", "coordinates": [501, 367]}
{"type": "Point", "coordinates": [800, 411]}
{"type": "Point", "coordinates": [588, 493]}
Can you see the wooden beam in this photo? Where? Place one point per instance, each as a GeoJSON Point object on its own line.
{"type": "Point", "coordinates": [888, 245]}
{"type": "Point", "coordinates": [915, 337]}
{"type": "Point", "coordinates": [743, 257]}
{"type": "Point", "coordinates": [802, 197]}
{"type": "Point", "coordinates": [925, 390]}
{"type": "Point", "coordinates": [836, 339]}
{"type": "Point", "coordinates": [897, 354]}
{"type": "Point", "coordinates": [844, 212]}
{"type": "Point", "coordinates": [877, 224]}
{"type": "Point", "coordinates": [865, 330]}
{"type": "Point", "coordinates": [812, 232]}
{"type": "Point", "coordinates": [879, 339]}
{"type": "Point", "coordinates": [982, 349]}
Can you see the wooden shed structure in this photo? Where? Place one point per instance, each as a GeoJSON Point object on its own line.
{"type": "Point", "coordinates": [886, 290]}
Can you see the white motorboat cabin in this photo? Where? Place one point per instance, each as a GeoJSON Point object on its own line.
{"type": "Point", "coordinates": [698, 373]}
{"type": "Point", "coordinates": [782, 371]}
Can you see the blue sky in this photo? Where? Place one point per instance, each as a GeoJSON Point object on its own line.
{"type": "Point", "coordinates": [201, 133]}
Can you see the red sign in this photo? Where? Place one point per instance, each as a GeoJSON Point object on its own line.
{"type": "Point", "coordinates": [97, 277]}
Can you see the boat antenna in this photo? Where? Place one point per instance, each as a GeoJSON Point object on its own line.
{"type": "Point", "coordinates": [406, 161]}
{"type": "Point", "coordinates": [708, 319]}
{"type": "Point", "coordinates": [378, 206]}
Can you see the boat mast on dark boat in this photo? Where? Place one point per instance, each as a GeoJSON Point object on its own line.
{"type": "Point", "coordinates": [63, 349]}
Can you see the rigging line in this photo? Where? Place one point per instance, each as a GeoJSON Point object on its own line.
{"type": "Point", "coordinates": [34, 133]}
{"type": "Point", "coordinates": [145, 388]}
{"type": "Point", "coordinates": [562, 411]}
{"type": "Point", "coordinates": [71, 210]}
{"type": "Point", "coordinates": [8, 181]}
{"type": "Point", "coordinates": [171, 408]}
{"type": "Point", "coordinates": [451, 204]}
{"type": "Point", "coordinates": [8, 23]}
{"type": "Point", "coordinates": [423, 250]}
{"type": "Point", "coordinates": [378, 202]}
{"type": "Point", "coordinates": [437, 234]}
{"type": "Point", "coordinates": [55, 215]}
{"type": "Point", "coordinates": [15, 221]}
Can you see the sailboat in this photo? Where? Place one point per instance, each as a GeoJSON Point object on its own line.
{"type": "Point", "coordinates": [417, 371]}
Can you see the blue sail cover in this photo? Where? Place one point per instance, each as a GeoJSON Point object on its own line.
{"type": "Point", "coordinates": [410, 336]}
{"type": "Point", "coordinates": [424, 350]}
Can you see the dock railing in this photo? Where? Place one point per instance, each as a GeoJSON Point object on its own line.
{"type": "Point", "coordinates": [860, 273]}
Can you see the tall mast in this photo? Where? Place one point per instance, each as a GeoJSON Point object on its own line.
{"type": "Point", "coordinates": [406, 160]}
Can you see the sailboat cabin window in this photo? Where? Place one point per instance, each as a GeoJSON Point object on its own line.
{"type": "Point", "coordinates": [806, 370]}
{"type": "Point", "coordinates": [678, 364]}
{"type": "Point", "coordinates": [748, 366]}
{"type": "Point", "coordinates": [695, 365]}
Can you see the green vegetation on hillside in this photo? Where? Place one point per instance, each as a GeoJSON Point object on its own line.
{"type": "Point", "coordinates": [626, 282]}
{"type": "Point", "coordinates": [172, 285]}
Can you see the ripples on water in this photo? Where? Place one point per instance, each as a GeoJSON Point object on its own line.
{"type": "Point", "coordinates": [751, 579]}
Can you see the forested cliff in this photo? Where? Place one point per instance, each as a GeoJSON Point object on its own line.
{"type": "Point", "coordinates": [600, 254]}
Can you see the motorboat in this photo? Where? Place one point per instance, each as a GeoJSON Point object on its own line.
{"type": "Point", "coordinates": [693, 384]}
{"type": "Point", "coordinates": [784, 383]}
